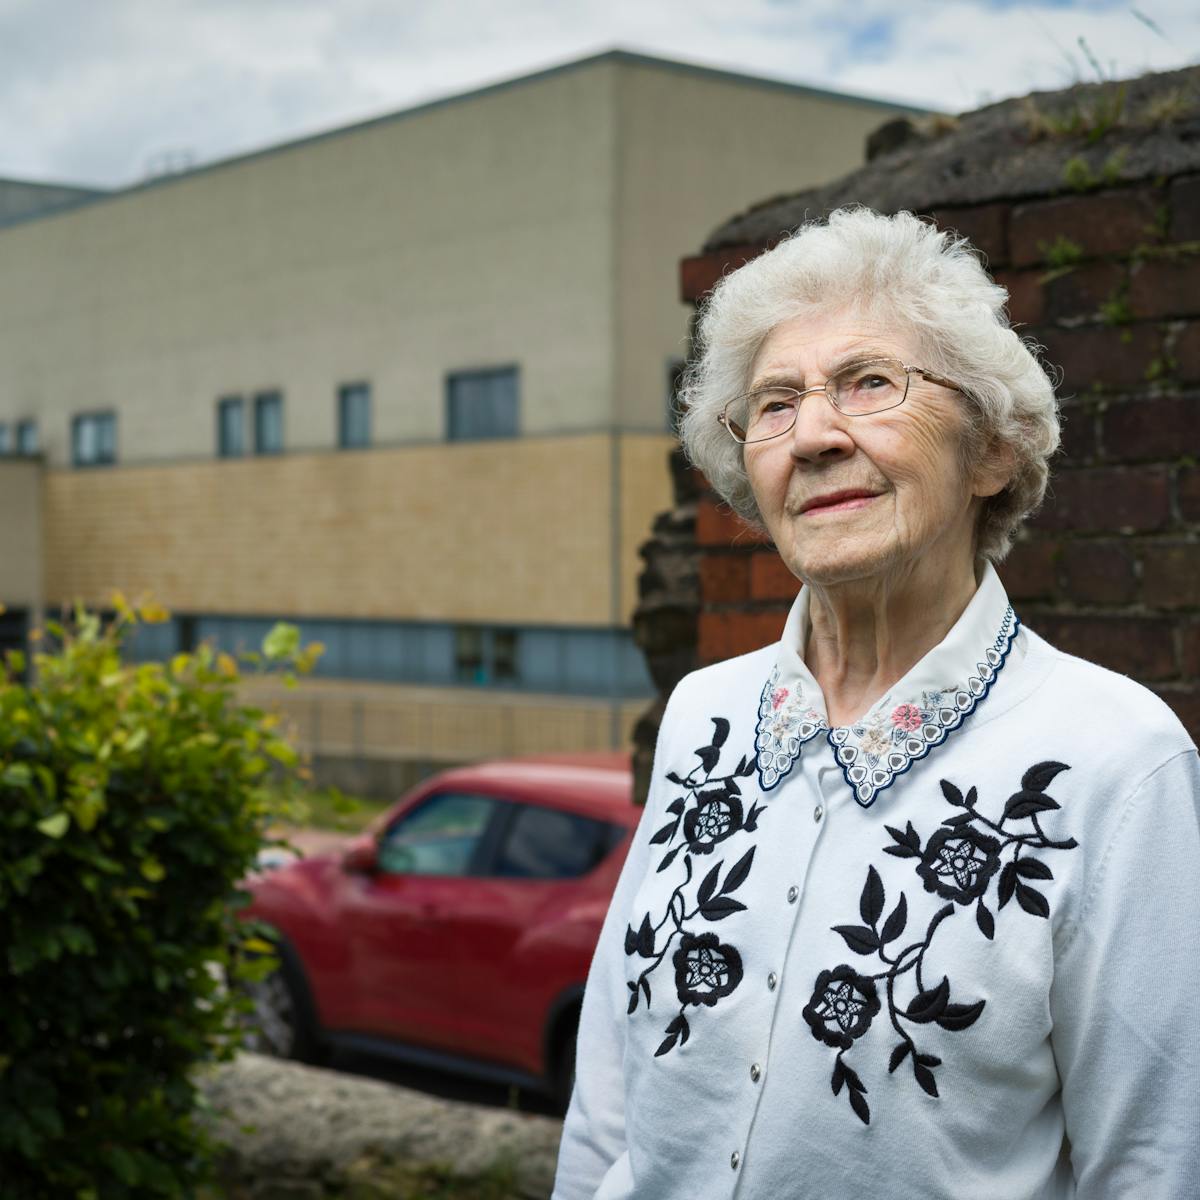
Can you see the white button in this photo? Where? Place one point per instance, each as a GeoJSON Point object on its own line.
{"type": "Point", "coordinates": [772, 980]}
{"type": "Point", "coordinates": [818, 813]}
{"type": "Point", "coordinates": [734, 1159]}
{"type": "Point", "coordinates": [793, 892]}
{"type": "Point", "coordinates": [755, 1072]}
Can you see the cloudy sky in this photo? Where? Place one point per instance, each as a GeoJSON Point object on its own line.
{"type": "Point", "coordinates": [105, 92]}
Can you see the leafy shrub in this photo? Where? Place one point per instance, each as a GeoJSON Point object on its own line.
{"type": "Point", "coordinates": [133, 798]}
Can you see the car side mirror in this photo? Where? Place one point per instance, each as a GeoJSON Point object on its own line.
{"type": "Point", "coordinates": [361, 857]}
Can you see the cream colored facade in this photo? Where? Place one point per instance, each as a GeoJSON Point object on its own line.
{"type": "Point", "coordinates": [537, 223]}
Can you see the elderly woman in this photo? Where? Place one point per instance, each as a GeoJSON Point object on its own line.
{"type": "Point", "coordinates": [913, 910]}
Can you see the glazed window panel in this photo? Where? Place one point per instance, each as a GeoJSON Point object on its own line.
{"type": "Point", "coordinates": [268, 423]}
{"type": "Point", "coordinates": [231, 427]}
{"type": "Point", "coordinates": [482, 404]}
{"type": "Point", "coordinates": [354, 415]}
{"type": "Point", "coordinates": [440, 837]}
{"type": "Point", "coordinates": [543, 843]}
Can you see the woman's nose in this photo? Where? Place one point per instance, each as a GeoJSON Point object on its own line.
{"type": "Point", "coordinates": [820, 431]}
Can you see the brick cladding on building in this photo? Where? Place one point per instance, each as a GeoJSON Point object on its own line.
{"type": "Point", "coordinates": [1086, 204]}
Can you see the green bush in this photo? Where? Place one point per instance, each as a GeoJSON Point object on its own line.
{"type": "Point", "coordinates": [133, 798]}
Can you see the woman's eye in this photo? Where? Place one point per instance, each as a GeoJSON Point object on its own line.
{"type": "Point", "coordinates": [873, 381]}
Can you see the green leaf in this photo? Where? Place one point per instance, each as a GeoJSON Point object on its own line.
{"type": "Point", "coordinates": [152, 870]}
{"type": "Point", "coordinates": [55, 826]}
{"type": "Point", "coordinates": [282, 642]}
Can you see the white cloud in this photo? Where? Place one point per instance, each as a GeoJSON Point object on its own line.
{"type": "Point", "coordinates": [91, 91]}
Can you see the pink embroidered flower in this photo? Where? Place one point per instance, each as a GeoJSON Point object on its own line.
{"type": "Point", "coordinates": [778, 696]}
{"type": "Point", "coordinates": [906, 716]}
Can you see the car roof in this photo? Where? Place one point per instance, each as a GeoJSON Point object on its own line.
{"type": "Point", "coordinates": [599, 784]}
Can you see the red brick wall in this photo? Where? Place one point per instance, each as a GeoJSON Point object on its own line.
{"type": "Point", "coordinates": [1109, 284]}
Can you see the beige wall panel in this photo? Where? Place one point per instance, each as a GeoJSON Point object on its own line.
{"type": "Point", "coordinates": [442, 724]}
{"type": "Point", "coordinates": [452, 237]}
{"type": "Point", "coordinates": [21, 554]}
{"type": "Point", "coordinates": [695, 149]}
{"type": "Point", "coordinates": [506, 531]}
{"type": "Point", "coordinates": [646, 491]}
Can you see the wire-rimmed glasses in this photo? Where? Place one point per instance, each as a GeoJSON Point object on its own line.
{"type": "Point", "coordinates": [857, 390]}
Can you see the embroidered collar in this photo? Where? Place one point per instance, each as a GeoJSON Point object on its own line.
{"type": "Point", "coordinates": [917, 713]}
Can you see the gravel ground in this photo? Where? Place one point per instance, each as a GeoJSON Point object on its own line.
{"type": "Point", "coordinates": [303, 1133]}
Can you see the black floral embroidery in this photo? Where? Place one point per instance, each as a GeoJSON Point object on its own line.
{"type": "Point", "coordinates": [842, 1006]}
{"type": "Point", "coordinates": [705, 969]}
{"type": "Point", "coordinates": [958, 863]}
{"type": "Point", "coordinates": [708, 814]}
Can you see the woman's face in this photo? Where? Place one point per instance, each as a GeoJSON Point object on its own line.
{"type": "Point", "coordinates": [852, 498]}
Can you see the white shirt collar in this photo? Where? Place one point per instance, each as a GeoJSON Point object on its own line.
{"type": "Point", "coordinates": [917, 713]}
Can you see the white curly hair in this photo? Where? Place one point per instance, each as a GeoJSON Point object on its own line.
{"type": "Point", "coordinates": [928, 284]}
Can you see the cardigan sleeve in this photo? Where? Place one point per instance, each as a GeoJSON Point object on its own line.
{"type": "Point", "coordinates": [593, 1138]}
{"type": "Point", "coordinates": [1124, 1002]}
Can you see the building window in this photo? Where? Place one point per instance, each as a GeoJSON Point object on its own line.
{"type": "Point", "coordinates": [268, 423]}
{"type": "Point", "coordinates": [27, 436]}
{"type": "Point", "coordinates": [5, 438]}
{"type": "Point", "coordinates": [354, 415]}
{"type": "Point", "coordinates": [231, 427]}
{"type": "Point", "coordinates": [487, 656]}
{"type": "Point", "coordinates": [481, 404]}
{"type": "Point", "coordinates": [94, 439]}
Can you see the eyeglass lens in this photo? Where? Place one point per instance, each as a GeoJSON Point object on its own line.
{"type": "Point", "coordinates": [858, 390]}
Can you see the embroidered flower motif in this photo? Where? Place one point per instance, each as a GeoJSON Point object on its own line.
{"type": "Point", "coordinates": [706, 969]}
{"type": "Point", "coordinates": [906, 717]}
{"type": "Point", "coordinates": [716, 816]}
{"type": "Point", "coordinates": [958, 863]}
{"type": "Point", "coordinates": [875, 742]}
{"type": "Point", "coordinates": [842, 1006]}
{"type": "Point", "coordinates": [778, 696]}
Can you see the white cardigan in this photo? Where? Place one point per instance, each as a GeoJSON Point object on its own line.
{"type": "Point", "coordinates": [952, 950]}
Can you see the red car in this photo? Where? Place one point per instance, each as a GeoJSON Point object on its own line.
{"type": "Point", "coordinates": [457, 931]}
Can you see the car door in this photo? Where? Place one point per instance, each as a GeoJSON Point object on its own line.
{"type": "Point", "coordinates": [402, 948]}
{"type": "Point", "coordinates": [505, 966]}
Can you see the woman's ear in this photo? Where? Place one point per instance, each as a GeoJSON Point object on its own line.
{"type": "Point", "coordinates": [995, 470]}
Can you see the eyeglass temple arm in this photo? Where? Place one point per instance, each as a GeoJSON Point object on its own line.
{"type": "Point", "coordinates": [934, 378]}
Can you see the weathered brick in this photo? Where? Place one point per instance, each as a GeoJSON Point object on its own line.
{"type": "Point", "coordinates": [1099, 573]}
{"type": "Point", "coordinates": [1080, 291]}
{"type": "Point", "coordinates": [1079, 435]}
{"type": "Point", "coordinates": [718, 525]}
{"type": "Point", "coordinates": [1105, 223]}
{"type": "Point", "coordinates": [1029, 570]}
{"type": "Point", "coordinates": [1025, 301]}
{"type": "Point", "coordinates": [1189, 644]}
{"type": "Point", "coordinates": [724, 578]}
{"type": "Point", "coordinates": [1186, 352]}
{"type": "Point", "coordinates": [1142, 647]}
{"type": "Point", "coordinates": [1108, 499]}
{"type": "Point", "coordinates": [1184, 199]}
{"type": "Point", "coordinates": [985, 226]}
{"type": "Point", "coordinates": [1188, 485]}
{"type": "Point", "coordinates": [1171, 575]}
{"type": "Point", "coordinates": [770, 579]}
{"type": "Point", "coordinates": [1162, 427]}
{"type": "Point", "coordinates": [1165, 287]}
{"type": "Point", "coordinates": [1104, 356]}
{"type": "Point", "coordinates": [698, 275]}
{"type": "Point", "coordinates": [724, 635]}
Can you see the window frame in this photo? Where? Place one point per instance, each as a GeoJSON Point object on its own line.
{"type": "Point", "coordinates": [77, 420]}
{"type": "Point", "coordinates": [478, 373]}
{"type": "Point", "coordinates": [225, 403]}
{"type": "Point", "coordinates": [614, 833]}
{"type": "Point", "coordinates": [261, 400]}
{"type": "Point", "coordinates": [22, 427]}
{"type": "Point", "coordinates": [485, 848]}
{"type": "Point", "coordinates": [345, 392]}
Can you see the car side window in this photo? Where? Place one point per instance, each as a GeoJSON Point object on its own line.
{"type": "Point", "coordinates": [439, 837]}
{"type": "Point", "coordinates": [542, 843]}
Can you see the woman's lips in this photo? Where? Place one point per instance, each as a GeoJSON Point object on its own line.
{"type": "Point", "coordinates": [837, 502]}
